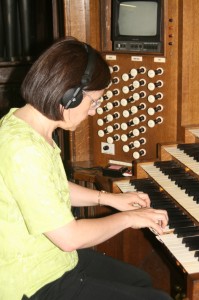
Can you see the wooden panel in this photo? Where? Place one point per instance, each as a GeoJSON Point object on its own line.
{"type": "Point", "coordinates": [75, 20]}
{"type": "Point", "coordinates": [79, 143]}
{"type": "Point", "coordinates": [190, 63]}
{"type": "Point", "coordinates": [105, 25]}
{"type": "Point", "coordinates": [93, 30]}
{"type": "Point", "coordinates": [77, 24]}
{"type": "Point", "coordinates": [139, 251]}
{"type": "Point", "coordinates": [193, 286]}
{"type": "Point", "coordinates": [58, 18]}
{"type": "Point", "coordinates": [188, 135]}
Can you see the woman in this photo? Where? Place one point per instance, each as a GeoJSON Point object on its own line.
{"type": "Point", "coordinates": [43, 251]}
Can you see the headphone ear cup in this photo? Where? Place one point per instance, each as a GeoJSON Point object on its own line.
{"type": "Point", "coordinates": [72, 97]}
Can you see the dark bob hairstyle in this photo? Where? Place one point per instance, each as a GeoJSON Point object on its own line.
{"type": "Point", "coordinates": [57, 70]}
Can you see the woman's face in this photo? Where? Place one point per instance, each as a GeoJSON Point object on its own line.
{"type": "Point", "coordinates": [74, 116]}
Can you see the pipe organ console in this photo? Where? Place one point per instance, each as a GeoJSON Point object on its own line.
{"type": "Point", "coordinates": [142, 99]}
{"type": "Point", "coordinates": [172, 183]}
{"type": "Point", "coordinates": [134, 107]}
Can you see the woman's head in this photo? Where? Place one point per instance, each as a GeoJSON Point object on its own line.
{"type": "Point", "coordinates": [59, 70]}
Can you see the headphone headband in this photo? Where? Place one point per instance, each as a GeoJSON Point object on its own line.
{"type": "Point", "coordinates": [73, 97]}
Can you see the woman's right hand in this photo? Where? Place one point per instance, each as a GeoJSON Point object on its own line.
{"type": "Point", "coordinates": [155, 219]}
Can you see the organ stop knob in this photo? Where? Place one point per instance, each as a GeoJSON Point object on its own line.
{"type": "Point", "coordinates": [151, 111]}
{"type": "Point", "coordinates": [152, 86]}
{"type": "Point", "coordinates": [126, 148]}
{"type": "Point", "coordinates": [152, 123]}
{"type": "Point", "coordinates": [137, 96]}
{"type": "Point", "coordinates": [136, 132]}
{"type": "Point", "coordinates": [113, 139]}
{"type": "Point", "coordinates": [107, 130]}
{"type": "Point", "coordinates": [124, 102]}
{"type": "Point", "coordinates": [139, 153]}
{"type": "Point", "coordinates": [152, 98]}
{"type": "Point", "coordinates": [139, 142]}
{"type": "Point", "coordinates": [153, 73]}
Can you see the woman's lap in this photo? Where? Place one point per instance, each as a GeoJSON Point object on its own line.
{"type": "Point", "coordinates": [99, 266]}
{"type": "Point", "coordinates": [107, 279]}
{"type": "Point", "coordinates": [100, 277]}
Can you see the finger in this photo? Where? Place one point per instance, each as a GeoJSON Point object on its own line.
{"type": "Point", "coordinates": [161, 212]}
{"type": "Point", "coordinates": [162, 220]}
{"type": "Point", "coordinates": [143, 201]}
{"type": "Point", "coordinates": [136, 204]}
{"type": "Point", "coordinates": [144, 197]}
{"type": "Point", "coordinates": [157, 230]}
{"type": "Point", "coordinates": [158, 226]}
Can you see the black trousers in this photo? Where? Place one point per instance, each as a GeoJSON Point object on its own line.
{"type": "Point", "coordinates": [100, 277]}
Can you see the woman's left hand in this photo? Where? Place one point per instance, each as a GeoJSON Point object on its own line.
{"type": "Point", "coordinates": [129, 200]}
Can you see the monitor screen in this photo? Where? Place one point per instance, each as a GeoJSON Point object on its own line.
{"type": "Point", "coordinates": [138, 18]}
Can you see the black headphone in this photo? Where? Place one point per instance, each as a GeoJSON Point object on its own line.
{"type": "Point", "coordinates": [74, 96]}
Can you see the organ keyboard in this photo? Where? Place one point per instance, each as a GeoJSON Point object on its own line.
{"type": "Point", "coordinates": [172, 238]}
{"type": "Point", "coordinates": [184, 158]}
{"type": "Point", "coordinates": [173, 184]}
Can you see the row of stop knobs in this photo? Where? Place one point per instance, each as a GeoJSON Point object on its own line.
{"type": "Point", "coordinates": [134, 72]}
{"type": "Point", "coordinates": [133, 145]}
{"type": "Point", "coordinates": [127, 113]}
{"type": "Point", "coordinates": [132, 133]}
{"type": "Point", "coordinates": [133, 86]}
{"type": "Point", "coordinates": [125, 101]}
{"type": "Point", "coordinates": [132, 110]}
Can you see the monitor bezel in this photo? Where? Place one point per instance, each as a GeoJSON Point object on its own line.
{"type": "Point", "coordinates": [115, 36]}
